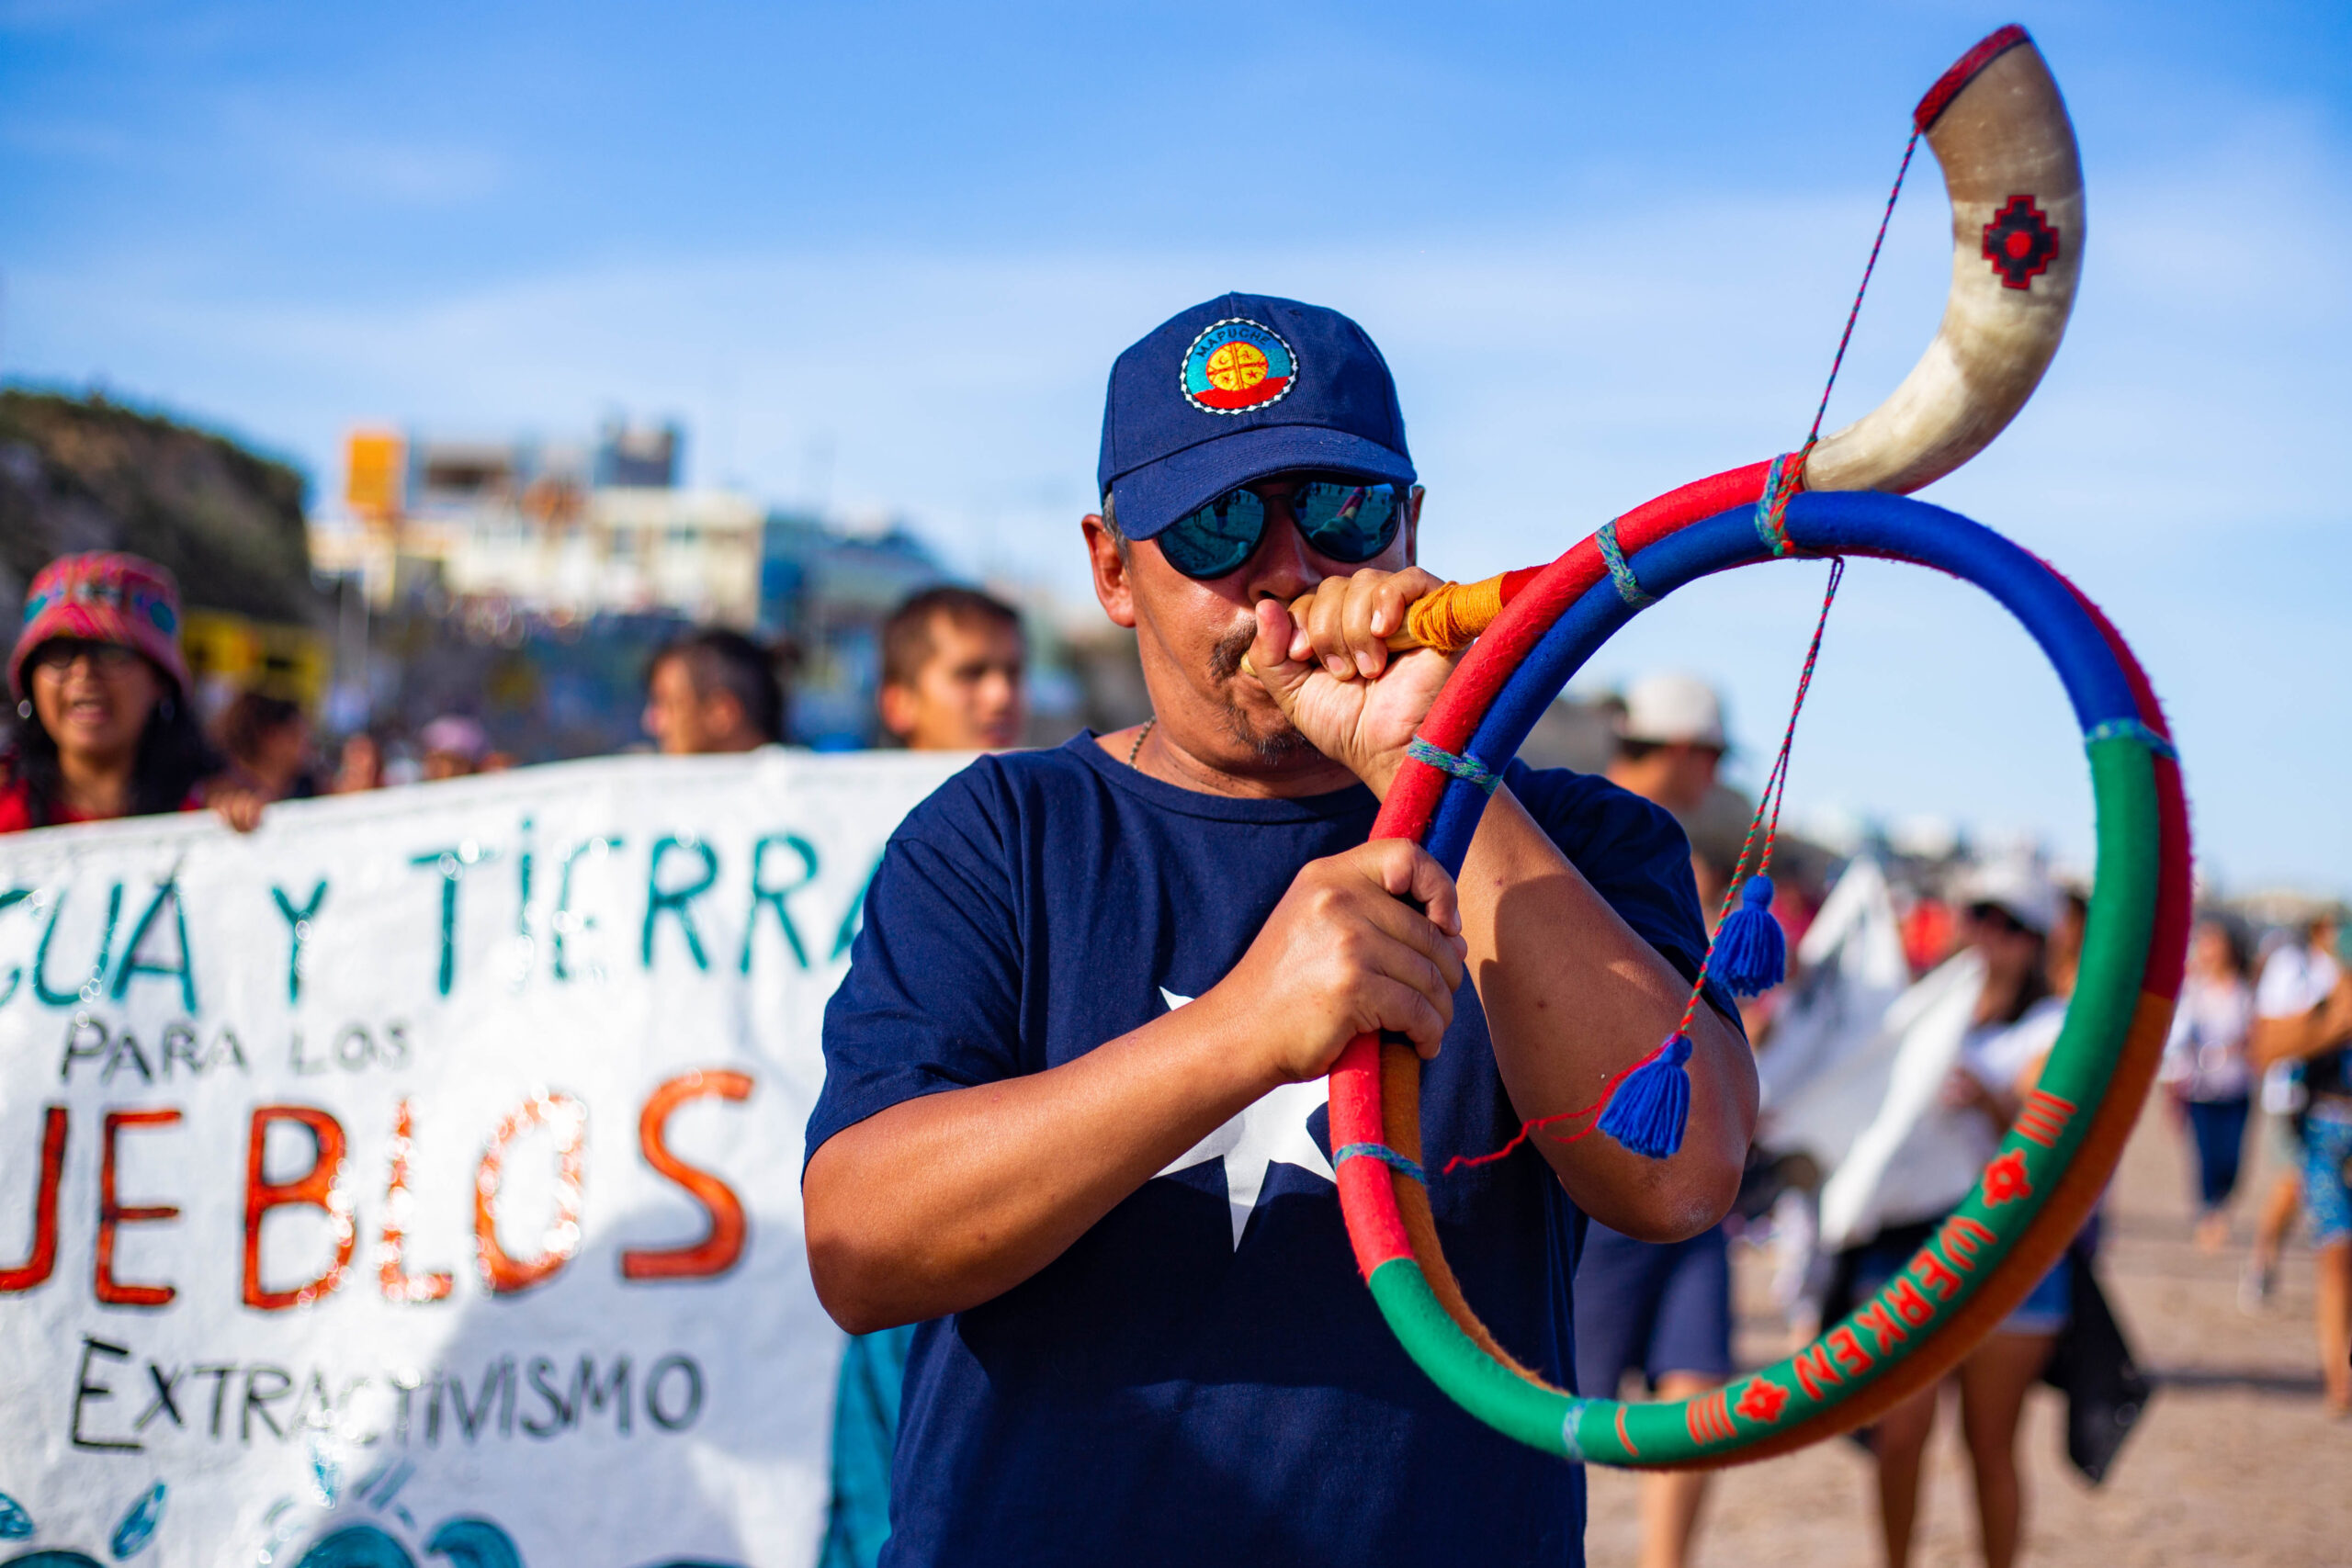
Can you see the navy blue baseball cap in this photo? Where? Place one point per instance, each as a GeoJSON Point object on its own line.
{"type": "Point", "coordinates": [1236, 390]}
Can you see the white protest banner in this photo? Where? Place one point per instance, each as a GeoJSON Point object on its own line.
{"type": "Point", "coordinates": [418, 1178]}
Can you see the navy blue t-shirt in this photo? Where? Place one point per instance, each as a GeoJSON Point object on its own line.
{"type": "Point", "coordinates": [1203, 1377]}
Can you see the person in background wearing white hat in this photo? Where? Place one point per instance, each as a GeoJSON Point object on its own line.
{"type": "Point", "coordinates": [1670, 747]}
{"type": "Point", "coordinates": [2009, 908]}
{"type": "Point", "coordinates": [1663, 1311]}
{"type": "Point", "coordinates": [1670, 743]}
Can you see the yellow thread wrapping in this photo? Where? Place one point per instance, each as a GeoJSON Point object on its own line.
{"type": "Point", "coordinates": [1450, 616]}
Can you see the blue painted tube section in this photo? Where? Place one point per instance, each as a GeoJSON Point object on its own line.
{"type": "Point", "coordinates": [1859, 522]}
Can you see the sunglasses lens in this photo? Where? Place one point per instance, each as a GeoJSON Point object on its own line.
{"type": "Point", "coordinates": [1219, 538]}
{"type": "Point", "coordinates": [1346, 519]}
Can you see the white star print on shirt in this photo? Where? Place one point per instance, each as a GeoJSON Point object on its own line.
{"type": "Point", "coordinates": [1270, 1131]}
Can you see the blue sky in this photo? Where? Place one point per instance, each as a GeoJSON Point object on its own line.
{"type": "Point", "coordinates": [881, 256]}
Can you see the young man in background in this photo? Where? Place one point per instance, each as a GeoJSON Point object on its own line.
{"type": "Point", "coordinates": [952, 664]}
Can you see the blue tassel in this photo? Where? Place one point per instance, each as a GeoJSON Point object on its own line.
{"type": "Point", "coordinates": [1647, 1112]}
{"type": "Point", "coordinates": [1751, 954]}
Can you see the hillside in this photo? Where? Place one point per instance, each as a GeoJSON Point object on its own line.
{"type": "Point", "coordinates": [86, 474]}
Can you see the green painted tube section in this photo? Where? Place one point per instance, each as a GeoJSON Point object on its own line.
{"type": "Point", "coordinates": [2122, 918]}
{"type": "Point", "coordinates": [1456, 1363]}
{"type": "Point", "coordinates": [2107, 987]}
{"type": "Point", "coordinates": [2082, 1066]}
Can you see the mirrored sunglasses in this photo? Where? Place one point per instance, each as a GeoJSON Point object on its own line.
{"type": "Point", "coordinates": [1348, 520]}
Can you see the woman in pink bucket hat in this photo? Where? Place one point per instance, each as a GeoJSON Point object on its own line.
{"type": "Point", "coordinates": [103, 728]}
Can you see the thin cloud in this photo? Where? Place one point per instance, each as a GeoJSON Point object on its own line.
{"type": "Point", "coordinates": [1552, 376]}
{"type": "Point", "coordinates": [413, 173]}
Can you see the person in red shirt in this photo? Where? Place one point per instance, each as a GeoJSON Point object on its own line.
{"type": "Point", "coordinates": [103, 728]}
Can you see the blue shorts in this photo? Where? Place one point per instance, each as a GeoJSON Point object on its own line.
{"type": "Point", "coordinates": [1660, 1308]}
{"type": "Point", "coordinates": [2047, 1307]}
{"type": "Point", "coordinates": [2327, 1140]}
{"type": "Point", "coordinates": [2045, 1310]}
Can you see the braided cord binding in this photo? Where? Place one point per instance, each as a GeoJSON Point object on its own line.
{"type": "Point", "coordinates": [1628, 587]}
{"type": "Point", "coordinates": [2131, 729]}
{"type": "Point", "coordinates": [1568, 1423]}
{"type": "Point", "coordinates": [1445, 762]}
{"type": "Point", "coordinates": [1384, 1154]}
{"type": "Point", "coordinates": [1779, 483]}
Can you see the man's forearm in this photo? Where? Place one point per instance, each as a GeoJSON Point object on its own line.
{"type": "Point", "coordinates": [1573, 996]}
{"type": "Point", "coordinates": [941, 1202]}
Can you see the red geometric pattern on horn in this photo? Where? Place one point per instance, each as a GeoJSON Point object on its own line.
{"type": "Point", "coordinates": [2021, 242]}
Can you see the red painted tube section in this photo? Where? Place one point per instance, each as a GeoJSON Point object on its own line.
{"type": "Point", "coordinates": [1533, 600]}
{"type": "Point", "coordinates": [1367, 1193]}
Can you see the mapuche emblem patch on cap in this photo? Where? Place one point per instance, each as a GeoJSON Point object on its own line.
{"type": "Point", "coordinates": [1238, 366]}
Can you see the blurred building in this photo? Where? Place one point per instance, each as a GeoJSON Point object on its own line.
{"type": "Point", "coordinates": [576, 558]}
{"type": "Point", "coordinates": [566, 530]}
{"type": "Point", "coordinates": [829, 591]}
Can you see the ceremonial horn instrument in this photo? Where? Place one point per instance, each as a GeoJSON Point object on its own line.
{"type": "Point", "coordinates": [2000, 133]}
{"type": "Point", "coordinates": [2038, 1190]}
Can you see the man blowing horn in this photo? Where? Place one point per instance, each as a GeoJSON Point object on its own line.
{"type": "Point", "coordinates": [1073, 1120]}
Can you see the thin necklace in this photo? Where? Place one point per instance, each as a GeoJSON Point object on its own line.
{"type": "Point", "coordinates": [1141, 736]}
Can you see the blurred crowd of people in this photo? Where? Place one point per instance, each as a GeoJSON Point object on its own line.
{"type": "Point", "coordinates": [104, 729]}
{"type": "Point", "coordinates": [106, 723]}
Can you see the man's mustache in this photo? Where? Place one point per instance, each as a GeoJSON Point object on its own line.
{"type": "Point", "coordinates": [1224, 659]}
{"type": "Point", "coordinates": [1280, 741]}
